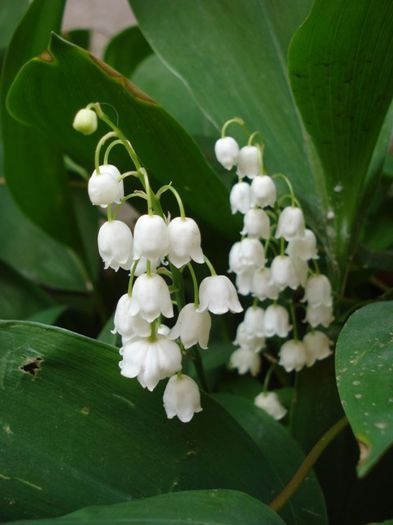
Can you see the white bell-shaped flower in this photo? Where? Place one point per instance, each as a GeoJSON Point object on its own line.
{"type": "Point", "coordinates": [227, 151]}
{"type": "Point", "coordinates": [105, 188]}
{"type": "Point", "coordinates": [301, 270]}
{"type": "Point", "coordinates": [244, 282]}
{"type": "Point", "coordinates": [126, 324]}
{"type": "Point", "coordinates": [318, 346]}
{"type": "Point", "coordinates": [141, 267]}
{"type": "Point", "coordinates": [318, 291]}
{"type": "Point", "coordinates": [290, 223]}
{"type": "Point", "coordinates": [251, 254]}
{"type": "Point", "coordinates": [192, 327]}
{"type": "Point", "coordinates": [293, 355]}
{"type": "Point", "coordinates": [270, 403]}
{"type": "Point", "coordinates": [245, 361]}
{"type": "Point", "coordinates": [184, 242]}
{"type": "Point", "coordinates": [303, 248]}
{"type": "Point", "coordinates": [115, 245]}
{"type": "Point", "coordinates": [235, 260]}
{"type": "Point", "coordinates": [163, 329]}
{"type": "Point", "coordinates": [283, 273]}
{"type": "Point", "coordinates": [249, 162]}
{"type": "Point", "coordinates": [151, 298]}
{"type": "Point", "coordinates": [151, 239]}
{"type": "Point", "coordinates": [263, 191]}
{"type": "Point", "coordinates": [249, 341]}
{"type": "Point", "coordinates": [262, 286]}
{"type": "Point", "coordinates": [319, 315]}
{"type": "Point", "coordinates": [150, 361]}
{"type": "Point", "coordinates": [217, 294]}
{"type": "Point", "coordinates": [254, 319]}
{"type": "Point", "coordinates": [276, 321]}
{"type": "Point", "coordinates": [256, 224]}
{"type": "Point", "coordinates": [182, 398]}
{"type": "Point", "coordinates": [240, 197]}
{"type": "Point", "coordinates": [85, 121]}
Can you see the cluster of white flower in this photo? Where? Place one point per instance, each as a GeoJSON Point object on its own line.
{"type": "Point", "coordinates": [151, 351]}
{"type": "Point", "coordinates": [271, 260]}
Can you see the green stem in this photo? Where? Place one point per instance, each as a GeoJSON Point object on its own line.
{"type": "Point", "coordinates": [195, 284]}
{"type": "Point", "coordinates": [169, 187]}
{"type": "Point", "coordinates": [109, 213]}
{"type": "Point", "coordinates": [210, 266]}
{"type": "Point", "coordinates": [293, 315]}
{"type": "Point", "coordinates": [295, 483]}
{"type": "Point", "coordinates": [101, 142]}
{"type": "Point", "coordinates": [235, 120]}
{"type": "Point", "coordinates": [109, 149]}
{"type": "Point", "coordinates": [252, 137]}
{"type": "Point", "coordinates": [267, 378]}
{"type": "Point", "coordinates": [132, 273]}
{"type": "Point", "coordinates": [294, 200]}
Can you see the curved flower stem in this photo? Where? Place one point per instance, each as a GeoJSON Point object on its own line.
{"type": "Point", "coordinates": [109, 213]}
{"type": "Point", "coordinates": [252, 137]}
{"type": "Point", "coordinates": [293, 315]}
{"type": "Point", "coordinates": [294, 484]}
{"type": "Point", "coordinates": [316, 266]}
{"type": "Point", "coordinates": [169, 187]}
{"type": "Point", "coordinates": [97, 153]}
{"type": "Point", "coordinates": [194, 283]}
{"type": "Point", "coordinates": [235, 120]}
{"type": "Point", "coordinates": [109, 149]}
{"type": "Point", "coordinates": [267, 378]}
{"type": "Point", "coordinates": [210, 266]}
{"type": "Point", "coordinates": [294, 200]}
{"type": "Point", "coordinates": [199, 368]}
{"type": "Point", "coordinates": [132, 273]}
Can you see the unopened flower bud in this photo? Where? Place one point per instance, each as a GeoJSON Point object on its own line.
{"type": "Point", "coordinates": [293, 355]}
{"type": "Point", "coordinates": [256, 224]}
{"type": "Point", "coordinates": [270, 403]}
{"type": "Point", "coordinates": [249, 162]}
{"type": "Point", "coordinates": [240, 197]}
{"type": "Point", "coordinates": [226, 150]}
{"type": "Point", "coordinates": [290, 223]}
{"type": "Point", "coordinates": [317, 345]}
{"type": "Point", "coordinates": [151, 297]}
{"type": "Point", "coordinates": [105, 188]}
{"type": "Point", "coordinates": [217, 294]}
{"type": "Point", "coordinates": [276, 321]}
{"type": "Point", "coordinates": [85, 121]}
{"type": "Point", "coordinates": [192, 327]}
{"type": "Point", "coordinates": [115, 245]}
{"type": "Point", "coordinates": [184, 242]}
{"type": "Point", "coordinates": [263, 191]}
{"type": "Point", "coordinates": [151, 239]}
{"type": "Point", "coordinates": [245, 361]}
{"type": "Point", "coordinates": [182, 398]}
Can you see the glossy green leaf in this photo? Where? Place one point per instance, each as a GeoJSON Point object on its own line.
{"type": "Point", "coordinates": [19, 299]}
{"type": "Point", "coordinates": [76, 433]}
{"type": "Point", "coordinates": [232, 56]}
{"type": "Point", "coordinates": [165, 149]}
{"type": "Point", "coordinates": [34, 254]}
{"type": "Point", "coordinates": [126, 50]}
{"type": "Point", "coordinates": [364, 369]}
{"type": "Point", "coordinates": [10, 13]}
{"type": "Point", "coordinates": [33, 165]}
{"type": "Point", "coordinates": [202, 507]}
{"type": "Point", "coordinates": [341, 70]}
{"type": "Point", "coordinates": [284, 456]}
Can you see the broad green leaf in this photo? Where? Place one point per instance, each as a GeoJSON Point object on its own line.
{"type": "Point", "coordinates": [10, 13]}
{"type": "Point", "coordinates": [34, 254]}
{"type": "Point", "coordinates": [106, 335]}
{"type": "Point", "coordinates": [19, 299]}
{"type": "Point", "coordinates": [80, 37]}
{"type": "Point", "coordinates": [341, 70]}
{"type": "Point", "coordinates": [76, 433]}
{"type": "Point", "coordinates": [48, 316]}
{"type": "Point", "coordinates": [126, 50]}
{"type": "Point", "coordinates": [33, 165]}
{"type": "Point", "coordinates": [37, 97]}
{"type": "Point", "coordinates": [364, 370]}
{"type": "Point", "coordinates": [202, 507]}
{"type": "Point", "coordinates": [283, 454]}
{"type": "Point", "coordinates": [232, 56]}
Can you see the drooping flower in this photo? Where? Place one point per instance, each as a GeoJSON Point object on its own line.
{"type": "Point", "coordinates": [263, 191]}
{"type": "Point", "coordinates": [276, 321]}
{"type": "Point", "coordinates": [182, 398]}
{"type": "Point", "coordinates": [319, 315]}
{"type": "Point", "coordinates": [105, 187]}
{"type": "Point", "coordinates": [126, 324]}
{"type": "Point", "coordinates": [244, 282]}
{"type": "Point", "coordinates": [151, 297]}
{"type": "Point", "coordinates": [262, 286]}
{"type": "Point", "coordinates": [151, 239]}
{"type": "Point", "coordinates": [246, 255]}
{"type": "Point", "coordinates": [304, 248]}
{"type": "Point", "coordinates": [256, 224]}
{"type": "Point", "coordinates": [240, 197]}
{"type": "Point", "coordinates": [141, 267]}
{"type": "Point", "coordinates": [218, 295]}
{"type": "Point", "coordinates": [293, 355]}
{"type": "Point", "coordinates": [184, 242]}
{"type": "Point", "coordinates": [227, 151]}
{"type": "Point", "coordinates": [270, 403]}
{"type": "Point", "coordinates": [283, 273]}
{"type": "Point", "coordinates": [254, 319]}
{"type": "Point", "coordinates": [85, 121]}
{"type": "Point", "coordinates": [318, 291]}
{"type": "Point", "coordinates": [192, 327]}
{"type": "Point", "coordinates": [244, 361]}
{"type": "Point", "coordinates": [249, 162]}
{"type": "Point", "coordinates": [317, 345]}
{"type": "Point", "coordinates": [247, 340]}
{"type": "Point", "coordinates": [290, 223]}
{"type": "Point", "coordinates": [150, 361]}
{"type": "Point", "coordinates": [115, 245]}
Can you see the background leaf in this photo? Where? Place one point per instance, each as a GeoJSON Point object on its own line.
{"type": "Point", "coordinates": [364, 366]}
{"type": "Point", "coordinates": [127, 50]}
